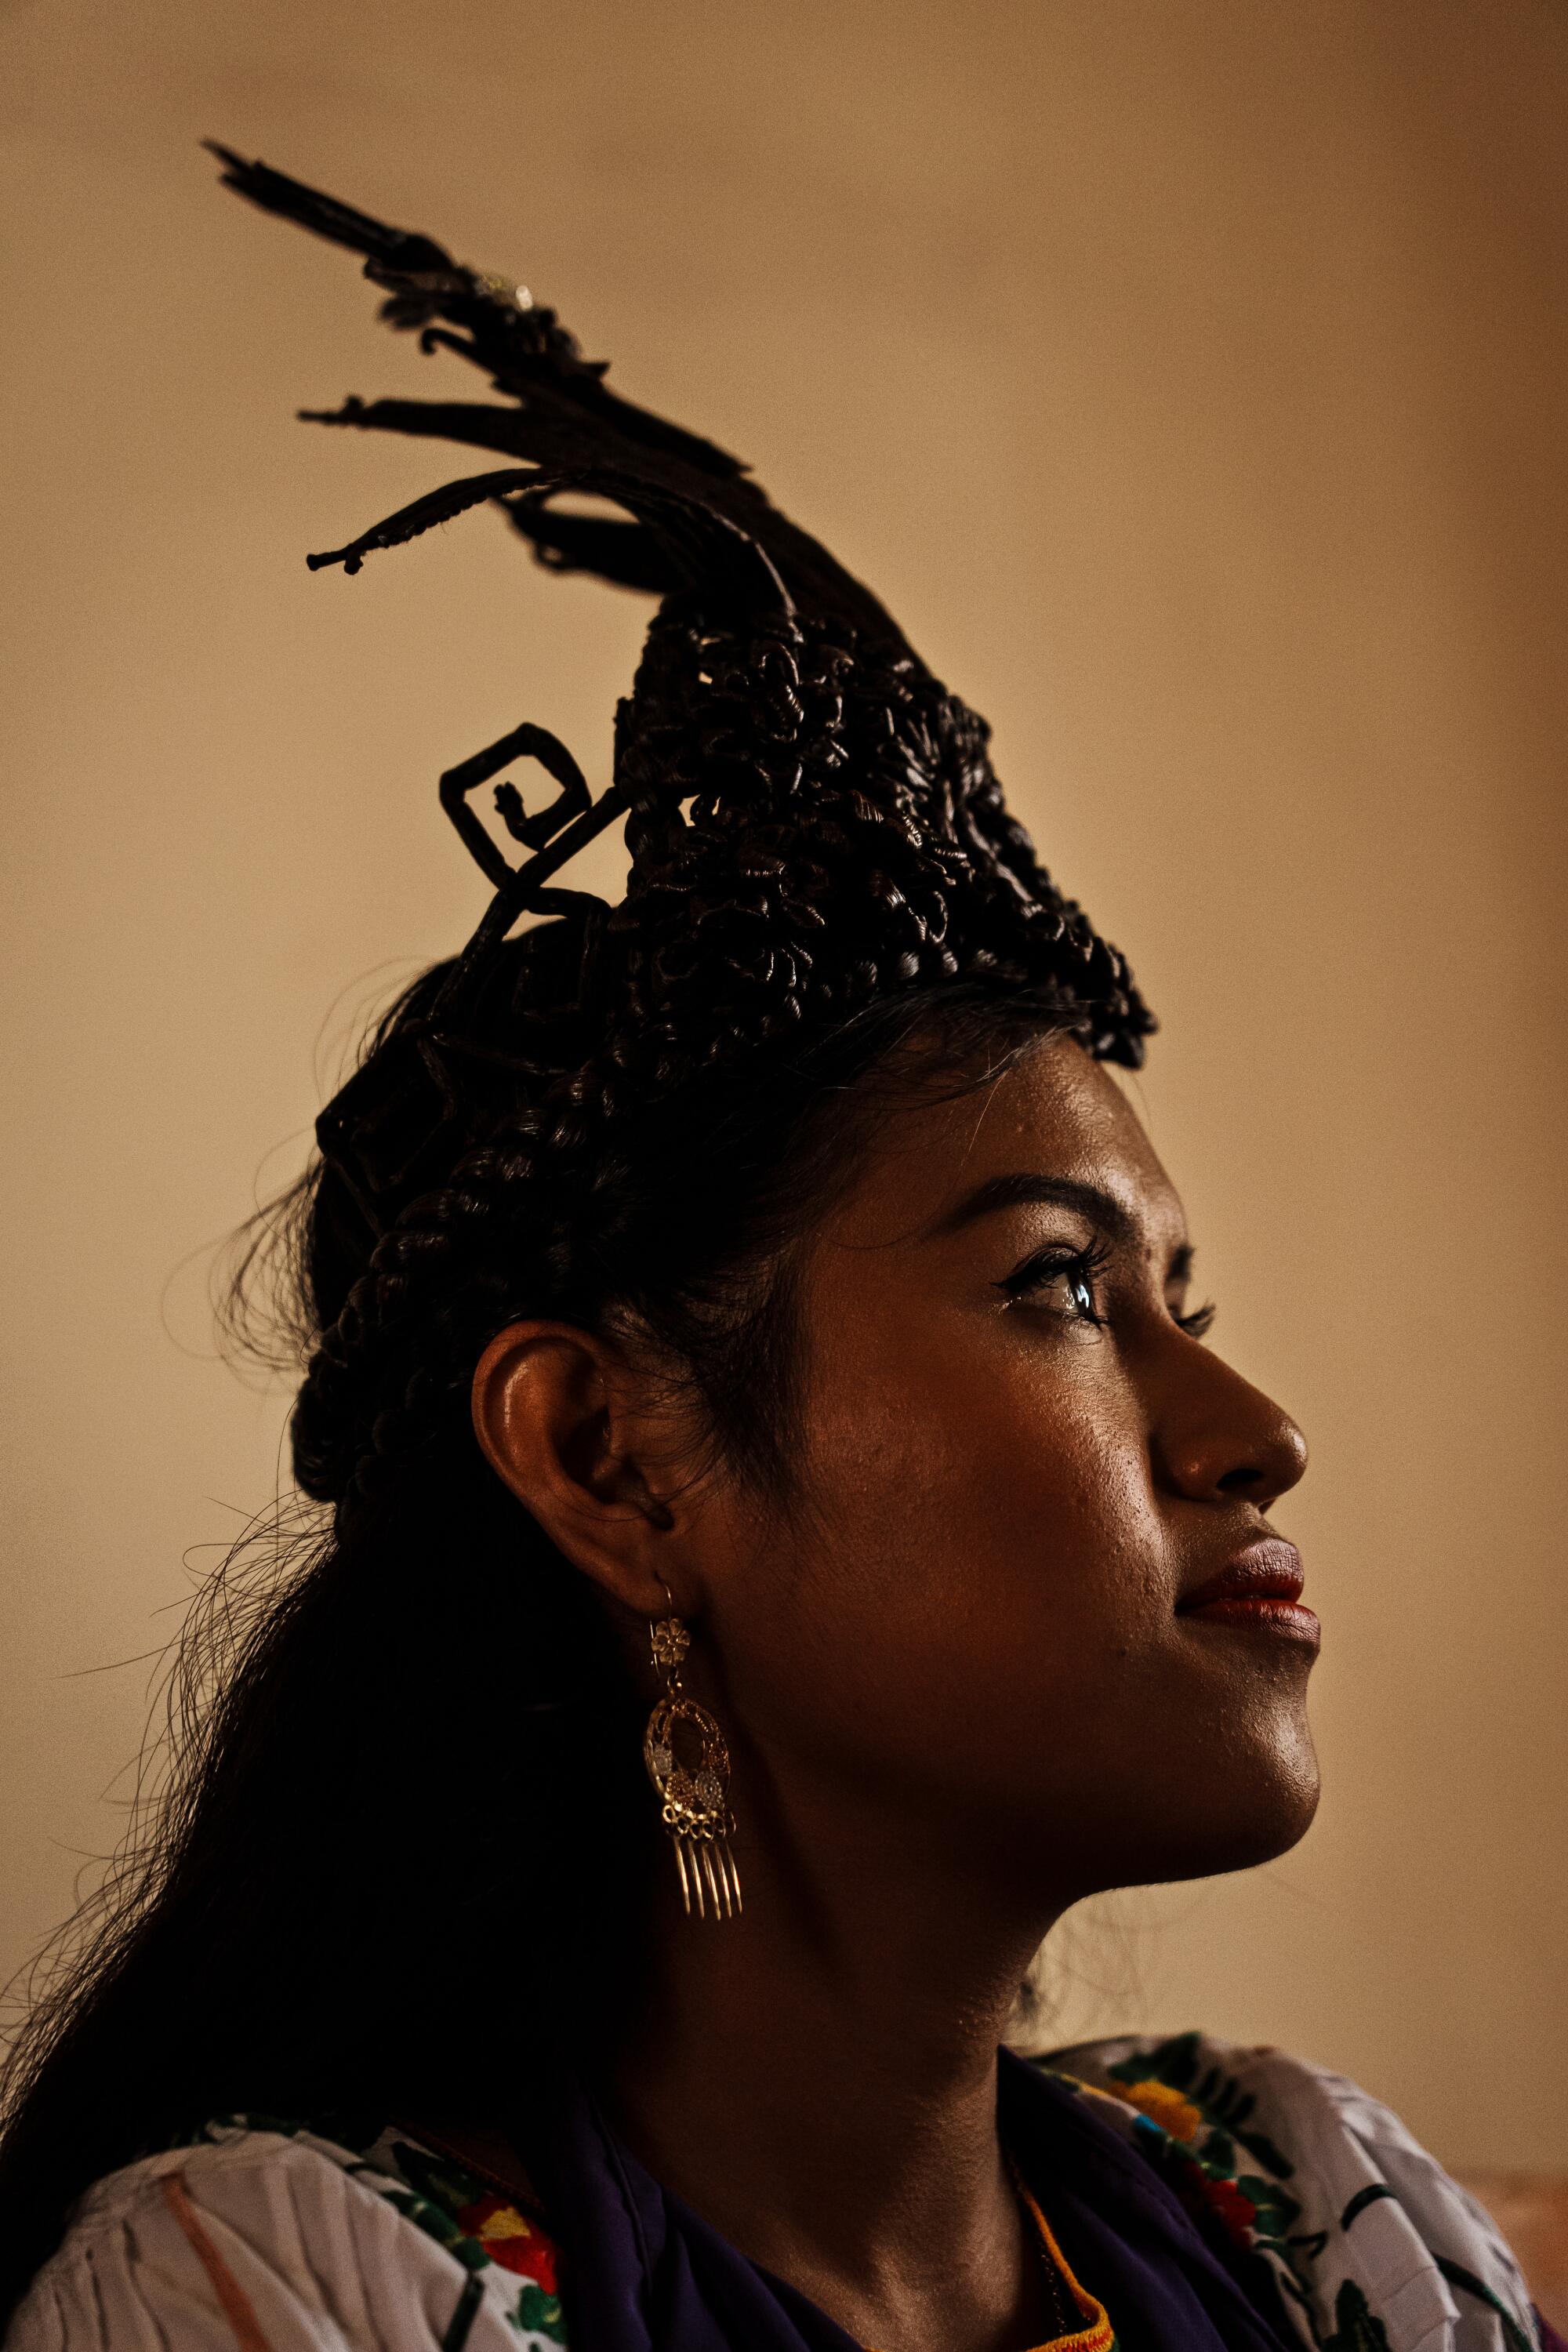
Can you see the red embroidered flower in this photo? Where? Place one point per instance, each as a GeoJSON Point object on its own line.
{"type": "Point", "coordinates": [516, 2244]}
{"type": "Point", "coordinates": [1237, 2212]}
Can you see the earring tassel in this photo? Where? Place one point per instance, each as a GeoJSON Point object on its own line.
{"type": "Point", "coordinates": [710, 1882]}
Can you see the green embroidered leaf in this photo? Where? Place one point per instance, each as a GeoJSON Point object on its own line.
{"type": "Point", "coordinates": [1466, 2282]}
{"type": "Point", "coordinates": [1278, 2212]}
{"type": "Point", "coordinates": [437, 2177]}
{"type": "Point", "coordinates": [1259, 2145]}
{"type": "Point", "coordinates": [1174, 2062]}
{"type": "Point", "coordinates": [1370, 2194]}
{"type": "Point", "coordinates": [1312, 2244]}
{"type": "Point", "coordinates": [1357, 2326]}
{"type": "Point", "coordinates": [439, 2225]}
{"type": "Point", "coordinates": [541, 2313]}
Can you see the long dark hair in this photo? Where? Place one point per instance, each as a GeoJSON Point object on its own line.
{"type": "Point", "coordinates": [406, 1799]}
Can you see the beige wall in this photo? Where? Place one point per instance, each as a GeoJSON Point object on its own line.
{"type": "Point", "coordinates": [1188, 375]}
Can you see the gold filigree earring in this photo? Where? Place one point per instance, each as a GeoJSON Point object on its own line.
{"type": "Point", "coordinates": [688, 1764]}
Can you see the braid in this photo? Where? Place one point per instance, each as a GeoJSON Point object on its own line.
{"type": "Point", "coordinates": [457, 1265]}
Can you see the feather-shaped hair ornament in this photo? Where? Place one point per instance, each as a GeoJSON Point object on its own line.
{"type": "Point", "coordinates": [812, 820]}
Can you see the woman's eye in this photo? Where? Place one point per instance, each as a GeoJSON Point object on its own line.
{"type": "Point", "coordinates": [1196, 1324]}
{"type": "Point", "coordinates": [1064, 1287]}
{"type": "Point", "coordinates": [1069, 1293]}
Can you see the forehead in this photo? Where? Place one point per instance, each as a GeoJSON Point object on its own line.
{"type": "Point", "coordinates": [1054, 1113]}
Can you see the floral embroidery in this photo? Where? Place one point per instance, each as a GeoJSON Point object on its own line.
{"type": "Point", "coordinates": [1200, 2159]}
{"type": "Point", "coordinates": [1162, 2106]}
{"type": "Point", "coordinates": [1196, 2110]}
{"type": "Point", "coordinates": [1236, 2209]}
{"type": "Point", "coordinates": [505, 2252]}
{"type": "Point", "coordinates": [1360, 2262]}
{"type": "Point", "coordinates": [518, 2245]}
{"type": "Point", "coordinates": [1180, 2066]}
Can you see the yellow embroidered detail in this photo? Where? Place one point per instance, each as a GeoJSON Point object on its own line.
{"type": "Point", "coordinates": [504, 2222]}
{"type": "Point", "coordinates": [1097, 2335]}
{"type": "Point", "coordinates": [1162, 2106]}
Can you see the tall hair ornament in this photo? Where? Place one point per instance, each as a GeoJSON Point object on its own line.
{"type": "Point", "coordinates": [695, 530]}
{"type": "Point", "coordinates": [688, 1763]}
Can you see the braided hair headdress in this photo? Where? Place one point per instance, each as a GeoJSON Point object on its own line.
{"type": "Point", "coordinates": [812, 820]}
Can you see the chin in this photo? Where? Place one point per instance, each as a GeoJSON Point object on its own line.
{"type": "Point", "coordinates": [1241, 1789]}
{"type": "Point", "coordinates": [1242, 1803]}
{"type": "Point", "coordinates": [1265, 1811]}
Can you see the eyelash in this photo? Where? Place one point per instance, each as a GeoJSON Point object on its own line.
{"type": "Point", "coordinates": [1082, 1268]}
{"type": "Point", "coordinates": [1079, 1266]}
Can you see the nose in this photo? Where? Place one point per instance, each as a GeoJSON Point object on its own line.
{"type": "Point", "coordinates": [1221, 1440]}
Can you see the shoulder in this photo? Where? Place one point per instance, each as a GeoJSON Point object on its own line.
{"type": "Point", "coordinates": [264, 2236]}
{"type": "Point", "coordinates": [1370, 2241]}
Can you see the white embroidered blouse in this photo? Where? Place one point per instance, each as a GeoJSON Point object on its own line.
{"type": "Point", "coordinates": [265, 2237]}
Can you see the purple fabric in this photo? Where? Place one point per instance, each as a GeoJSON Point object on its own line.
{"type": "Point", "coordinates": [1126, 2234]}
{"type": "Point", "coordinates": [644, 2272]}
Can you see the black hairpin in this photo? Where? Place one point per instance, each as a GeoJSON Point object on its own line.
{"type": "Point", "coordinates": [388, 1124]}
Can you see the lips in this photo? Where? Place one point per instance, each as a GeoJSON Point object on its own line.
{"type": "Point", "coordinates": [1260, 1588]}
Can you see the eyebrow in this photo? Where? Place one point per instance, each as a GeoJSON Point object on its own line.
{"type": "Point", "coordinates": [1024, 1187]}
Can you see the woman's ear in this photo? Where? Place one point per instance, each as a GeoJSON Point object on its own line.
{"type": "Point", "coordinates": [563, 1420]}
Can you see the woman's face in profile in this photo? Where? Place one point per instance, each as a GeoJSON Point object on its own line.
{"type": "Point", "coordinates": [1034, 1606]}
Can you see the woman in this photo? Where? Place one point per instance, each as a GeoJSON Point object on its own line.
{"type": "Point", "coordinates": [787, 1542]}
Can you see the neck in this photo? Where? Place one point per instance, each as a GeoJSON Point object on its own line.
{"type": "Point", "coordinates": [818, 2078]}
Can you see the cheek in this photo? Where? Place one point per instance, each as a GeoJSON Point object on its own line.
{"type": "Point", "coordinates": [987, 1538]}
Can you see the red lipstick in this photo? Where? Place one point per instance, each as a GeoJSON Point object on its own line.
{"type": "Point", "coordinates": [1261, 1587]}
